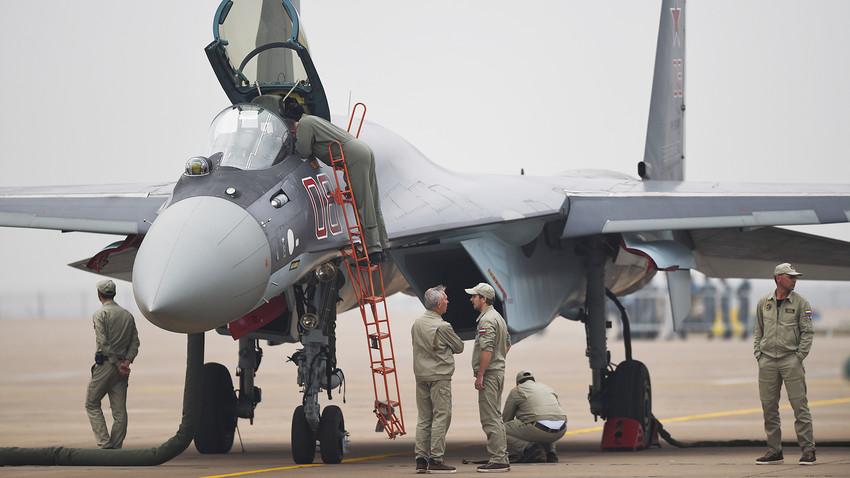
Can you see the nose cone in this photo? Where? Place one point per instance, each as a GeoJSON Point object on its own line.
{"type": "Point", "coordinates": [203, 263]}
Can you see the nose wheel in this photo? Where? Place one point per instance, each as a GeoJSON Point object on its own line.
{"type": "Point", "coordinates": [303, 440]}
{"type": "Point", "coordinates": [332, 437]}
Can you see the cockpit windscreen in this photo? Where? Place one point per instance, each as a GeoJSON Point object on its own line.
{"type": "Point", "coordinates": [249, 137]}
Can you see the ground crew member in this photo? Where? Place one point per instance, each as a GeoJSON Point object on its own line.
{"type": "Point", "coordinates": [434, 342]}
{"type": "Point", "coordinates": [783, 337]}
{"type": "Point", "coordinates": [492, 343]}
{"type": "Point", "coordinates": [117, 344]}
{"type": "Point", "coordinates": [313, 135]}
{"type": "Point", "coordinates": [534, 420]}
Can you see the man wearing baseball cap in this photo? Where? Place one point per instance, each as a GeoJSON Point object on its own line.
{"type": "Point", "coordinates": [783, 337]}
{"type": "Point", "coordinates": [534, 420]}
{"type": "Point", "coordinates": [492, 342]}
{"type": "Point", "coordinates": [117, 342]}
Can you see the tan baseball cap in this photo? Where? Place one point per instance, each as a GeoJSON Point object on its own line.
{"type": "Point", "coordinates": [785, 268]}
{"type": "Point", "coordinates": [482, 289]}
{"type": "Point", "coordinates": [106, 287]}
{"type": "Point", "coordinates": [524, 376]}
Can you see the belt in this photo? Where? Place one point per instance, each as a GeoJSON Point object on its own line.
{"type": "Point", "coordinates": [540, 426]}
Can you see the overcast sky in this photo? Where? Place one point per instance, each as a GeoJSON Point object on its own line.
{"type": "Point", "coordinates": [100, 91]}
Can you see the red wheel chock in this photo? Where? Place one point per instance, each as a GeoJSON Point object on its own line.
{"type": "Point", "coordinates": [626, 434]}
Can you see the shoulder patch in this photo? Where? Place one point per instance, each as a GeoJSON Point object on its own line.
{"type": "Point", "coordinates": [768, 306]}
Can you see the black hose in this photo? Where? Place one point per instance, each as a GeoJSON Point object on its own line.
{"type": "Point", "coordinates": [730, 443]}
{"type": "Point", "coordinates": [627, 331]}
{"type": "Point", "coordinates": [174, 446]}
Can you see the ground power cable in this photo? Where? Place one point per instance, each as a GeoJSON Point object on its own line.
{"type": "Point", "coordinates": [192, 394]}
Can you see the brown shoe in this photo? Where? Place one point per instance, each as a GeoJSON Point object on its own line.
{"type": "Point", "coordinates": [421, 465]}
{"type": "Point", "coordinates": [808, 458]}
{"type": "Point", "coordinates": [771, 458]}
{"type": "Point", "coordinates": [435, 466]}
{"type": "Point", "coordinates": [494, 468]}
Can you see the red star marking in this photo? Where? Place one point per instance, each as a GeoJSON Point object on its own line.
{"type": "Point", "coordinates": [675, 11]}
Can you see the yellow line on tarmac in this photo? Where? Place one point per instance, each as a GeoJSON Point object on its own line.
{"type": "Point", "coordinates": [719, 414]}
{"type": "Point", "coordinates": [243, 473]}
{"type": "Point", "coordinates": [294, 467]}
{"type": "Point", "coordinates": [750, 410]}
{"type": "Point", "coordinates": [574, 432]}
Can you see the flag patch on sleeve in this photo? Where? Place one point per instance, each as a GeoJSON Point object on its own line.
{"type": "Point", "coordinates": [809, 314]}
{"type": "Point", "coordinates": [482, 332]}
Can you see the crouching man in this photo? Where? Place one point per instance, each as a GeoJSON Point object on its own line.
{"type": "Point", "coordinates": [534, 421]}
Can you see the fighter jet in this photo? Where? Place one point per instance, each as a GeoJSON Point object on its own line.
{"type": "Point", "coordinates": [250, 240]}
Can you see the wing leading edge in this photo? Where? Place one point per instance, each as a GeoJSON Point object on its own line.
{"type": "Point", "coordinates": [108, 209]}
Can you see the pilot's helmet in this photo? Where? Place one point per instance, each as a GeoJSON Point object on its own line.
{"type": "Point", "coordinates": [292, 109]}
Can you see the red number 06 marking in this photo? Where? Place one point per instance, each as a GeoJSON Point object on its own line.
{"type": "Point", "coordinates": [325, 209]}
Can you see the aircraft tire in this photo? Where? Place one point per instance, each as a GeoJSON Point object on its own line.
{"type": "Point", "coordinates": [630, 394]}
{"type": "Point", "coordinates": [303, 442]}
{"type": "Point", "coordinates": [332, 434]}
{"type": "Point", "coordinates": [218, 411]}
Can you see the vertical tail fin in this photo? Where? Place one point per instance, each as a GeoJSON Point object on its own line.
{"type": "Point", "coordinates": [664, 157]}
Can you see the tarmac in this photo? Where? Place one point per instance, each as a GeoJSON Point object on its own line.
{"type": "Point", "coordinates": [703, 390]}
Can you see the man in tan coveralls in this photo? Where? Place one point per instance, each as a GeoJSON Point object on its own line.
{"type": "Point", "coordinates": [117, 344]}
{"type": "Point", "coordinates": [783, 337]}
{"type": "Point", "coordinates": [313, 135]}
{"type": "Point", "coordinates": [434, 342]}
{"type": "Point", "coordinates": [534, 420]}
{"type": "Point", "coordinates": [492, 342]}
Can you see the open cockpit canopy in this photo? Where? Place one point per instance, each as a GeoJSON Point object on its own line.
{"type": "Point", "coordinates": [260, 48]}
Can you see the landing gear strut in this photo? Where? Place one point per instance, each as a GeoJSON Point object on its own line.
{"type": "Point", "coordinates": [316, 305]}
{"type": "Point", "coordinates": [624, 392]}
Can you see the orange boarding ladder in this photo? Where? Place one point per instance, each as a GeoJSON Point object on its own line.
{"type": "Point", "coordinates": [368, 284]}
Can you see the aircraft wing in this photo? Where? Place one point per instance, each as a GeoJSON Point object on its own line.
{"type": "Point", "coordinates": [666, 205]}
{"type": "Point", "coordinates": [737, 253]}
{"type": "Point", "coordinates": [727, 226]}
{"type": "Point", "coordinates": [105, 209]}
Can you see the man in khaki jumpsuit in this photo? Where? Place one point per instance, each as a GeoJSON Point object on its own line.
{"type": "Point", "coordinates": [313, 135]}
{"type": "Point", "coordinates": [783, 337]}
{"type": "Point", "coordinates": [117, 344]}
{"type": "Point", "coordinates": [492, 343]}
{"type": "Point", "coordinates": [434, 342]}
{"type": "Point", "coordinates": [534, 420]}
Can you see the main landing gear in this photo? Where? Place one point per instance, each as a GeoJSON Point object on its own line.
{"type": "Point", "coordinates": [218, 411]}
{"type": "Point", "coordinates": [222, 405]}
{"type": "Point", "coordinates": [622, 396]}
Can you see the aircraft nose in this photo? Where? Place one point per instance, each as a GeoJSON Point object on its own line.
{"type": "Point", "coordinates": [203, 263]}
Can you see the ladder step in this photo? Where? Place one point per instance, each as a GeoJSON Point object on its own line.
{"type": "Point", "coordinates": [373, 299]}
{"type": "Point", "coordinates": [383, 370]}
